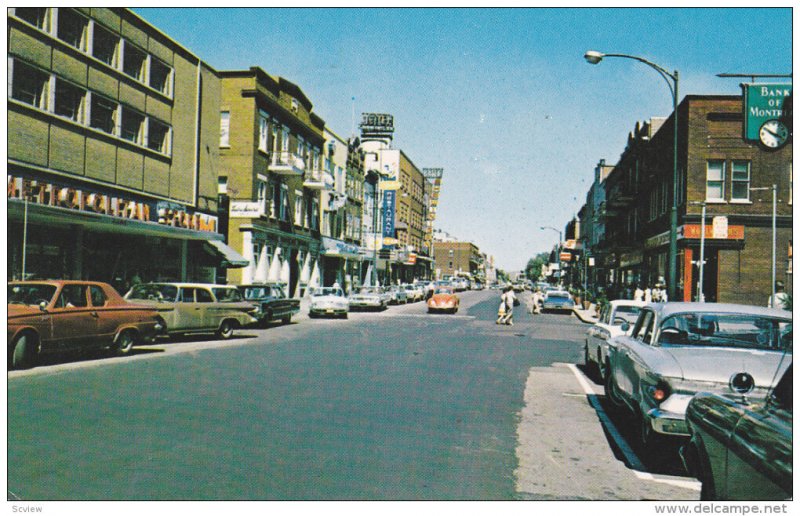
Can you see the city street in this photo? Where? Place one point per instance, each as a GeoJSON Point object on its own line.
{"type": "Point", "coordinates": [396, 405]}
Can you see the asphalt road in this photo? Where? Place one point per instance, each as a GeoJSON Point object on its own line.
{"type": "Point", "coordinates": [397, 405]}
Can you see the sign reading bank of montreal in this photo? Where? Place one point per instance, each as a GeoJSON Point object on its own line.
{"type": "Point", "coordinates": [764, 102]}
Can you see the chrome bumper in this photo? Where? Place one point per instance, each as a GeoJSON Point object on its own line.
{"type": "Point", "coordinates": [668, 423]}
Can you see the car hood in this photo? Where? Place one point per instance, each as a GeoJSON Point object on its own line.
{"type": "Point", "coordinates": [719, 364]}
{"type": "Point", "coordinates": [443, 298]}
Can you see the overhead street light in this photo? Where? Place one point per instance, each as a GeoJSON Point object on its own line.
{"type": "Point", "coordinates": [594, 57]}
{"type": "Point", "coordinates": [560, 272]}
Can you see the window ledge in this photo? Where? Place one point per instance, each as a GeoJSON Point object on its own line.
{"type": "Point", "coordinates": [741, 201]}
{"type": "Point", "coordinates": [716, 201]}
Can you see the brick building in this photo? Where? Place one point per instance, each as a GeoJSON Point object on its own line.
{"type": "Point", "coordinates": [112, 154]}
{"type": "Point", "coordinates": [716, 166]}
{"type": "Point", "coordinates": [452, 258]}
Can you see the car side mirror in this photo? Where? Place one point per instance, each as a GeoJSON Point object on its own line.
{"type": "Point", "coordinates": [43, 306]}
{"type": "Point", "coordinates": [625, 327]}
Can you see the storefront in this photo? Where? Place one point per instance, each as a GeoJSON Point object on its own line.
{"type": "Point", "coordinates": [72, 231]}
{"type": "Point", "coordinates": [341, 264]}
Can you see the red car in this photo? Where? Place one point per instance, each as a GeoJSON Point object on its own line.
{"type": "Point", "coordinates": [61, 315]}
{"type": "Point", "coordinates": [443, 300]}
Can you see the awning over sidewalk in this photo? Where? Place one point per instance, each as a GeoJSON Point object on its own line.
{"type": "Point", "coordinates": [230, 258]}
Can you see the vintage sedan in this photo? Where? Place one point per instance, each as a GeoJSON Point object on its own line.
{"type": "Point", "coordinates": [329, 301]}
{"type": "Point", "coordinates": [272, 302]}
{"type": "Point", "coordinates": [399, 294]}
{"type": "Point", "coordinates": [557, 301]}
{"type": "Point", "coordinates": [369, 297]}
{"type": "Point", "coordinates": [196, 307]}
{"type": "Point", "coordinates": [53, 316]}
{"type": "Point", "coordinates": [678, 349]}
{"type": "Point", "coordinates": [740, 450]}
{"type": "Point", "coordinates": [444, 299]}
{"type": "Point", "coordinates": [415, 293]}
{"type": "Point", "coordinates": [609, 325]}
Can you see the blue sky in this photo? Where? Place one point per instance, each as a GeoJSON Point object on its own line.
{"type": "Point", "coordinates": [502, 99]}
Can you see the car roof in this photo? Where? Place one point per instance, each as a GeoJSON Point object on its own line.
{"type": "Point", "coordinates": [667, 309]}
{"type": "Point", "coordinates": [188, 285]}
{"type": "Point", "coordinates": [626, 302]}
{"type": "Point", "coordinates": [57, 282]}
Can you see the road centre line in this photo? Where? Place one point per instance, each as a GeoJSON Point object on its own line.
{"type": "Point", "coordinates": [634, 462]}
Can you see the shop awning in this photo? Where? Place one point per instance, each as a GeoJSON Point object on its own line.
{"type": "Point", "coordinates": [339, 249]}
{"type": "Point", "coordinates": [230, 258]}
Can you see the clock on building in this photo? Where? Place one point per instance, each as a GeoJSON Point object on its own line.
{"type": "Point", "coordinates": [773, 134]}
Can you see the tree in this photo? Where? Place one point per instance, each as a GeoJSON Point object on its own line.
{"type": "Point", "coordinates": [534, 268]}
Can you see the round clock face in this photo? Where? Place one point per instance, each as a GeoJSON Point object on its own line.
{"type": "Point", "coordinates": [773, 134]}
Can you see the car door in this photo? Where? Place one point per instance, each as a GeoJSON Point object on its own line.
{"type": "Point", "coordinates": [188, 315]}
{"type": "Point", "coordinates": [108, 320]}
{"type": "Point", "coordinates": [74, 321]}
{"type": "Point", "coordinates": [210, 311]}
{"type": "Point", "coordinates": [628, 355]}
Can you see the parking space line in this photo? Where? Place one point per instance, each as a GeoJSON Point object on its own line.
{"type": "Point", "coordinates": [630, 456]}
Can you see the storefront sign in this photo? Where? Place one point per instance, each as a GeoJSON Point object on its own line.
{"type": "Point", "coordinates": [388, 214]}
{"type": "Point", "coordinates": [377, 122]}
{"type": "Point", "coordinates": [693, 231]}
{"type": "Point", "coordinates": [245, 209]}
{"type": "Point", "coordinates": [660, 239]}
{"type": "Point", "coordinates": [333, 247]}
{"type": "Point", "coordinates": [63, 196]}
{"type": "Point", "coordinates": [631, 259]}
{"type": "Point", "coordinates": [412, 259]}
{"type": "Point", "coordinates": [565, 257]}
{"type": "Point", "coordinates": [763, 102]}
{"type": "Point", "coordinates": [719, 227]}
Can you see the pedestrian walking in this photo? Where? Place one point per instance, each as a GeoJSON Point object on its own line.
{"type": "Point", "coordinates": [505, 313]}
{"type": "Point", "coordinates": [780, 298]}
{"type": "Point", "coordinates": [648, 295]}
{"type": "Point", "coordinates": [638, 294]}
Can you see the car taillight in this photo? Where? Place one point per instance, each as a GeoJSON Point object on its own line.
{"type": "Point", "coordinates": [660, 391]}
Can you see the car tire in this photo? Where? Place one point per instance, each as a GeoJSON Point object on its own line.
{"type": "Point", "coordinates": [287, 319]}
{"type": "Point", "coordinates": [345, 315]}
{"type": "Point", "coordinates": [124, 343]}
{"type": "Point", "coordinates": [23, 352]}
{"type": "Point", "coordinates": [225, 330]}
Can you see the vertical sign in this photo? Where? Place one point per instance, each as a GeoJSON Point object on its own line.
{"type": "Point", "coordinates": [388, 215]}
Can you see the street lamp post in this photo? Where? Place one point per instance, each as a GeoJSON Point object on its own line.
{"type": "Point", "coordinates": [700, 295]}
{"type": "Point", "coordinates": [594, 57]}
{"type": "Point", "coordinates": [774, 189]}
{"type": "Point", "coordinates": [560, 272]}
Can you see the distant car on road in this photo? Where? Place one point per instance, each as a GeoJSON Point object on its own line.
{"type": "Point", "coordinates": [615, 315]}
{"type": "Point", "coordinates": [60, 315]}
{"type": "Point", "coordinates": [369, 297]}
{"type": "Point", "coordinates": [272, 302]}
{"type": "Point", "coordinates": [329, 301]}
{"type": "Point", "coordinates": [557, 301]}
{"type": "Point", "coordinates": [742, 450]}
{"type": "Point", "coordinates": [399, 295]}
{"type": "Point", "coordinates": [677, 349]}
{"type": "Point", "coordinates": [444, 299]}
{"type": "Point", "coordinates": [196, 307]}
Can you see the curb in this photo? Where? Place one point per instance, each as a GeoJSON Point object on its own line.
{"type": "Point", "coordinates": [583, 316]}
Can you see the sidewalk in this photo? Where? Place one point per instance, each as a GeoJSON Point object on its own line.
{"type": "Point", "coordinates": [586, 316]}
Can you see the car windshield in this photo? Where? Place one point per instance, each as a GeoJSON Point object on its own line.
{"type": "Point", "coordinates": [624, 314]}
{"type": "Point", "coordinates": [370, 290]}
{"type": "Point", "coordinates": [154, 292]}
{"type": "Point", "coordinates": [558, 298]}
{"type": "Point", "coordinates": [727, 330]}
{"type": "Point", "coordinates": [30, 294]}
{"type": "Point", "coordinates": [443, 290]}
{"type": "Point", "coordinates": [227, 295]}
{"type": "Point", "coordinates": [328, 291]}
{"type": "Point", "coordinates": [262, 291]}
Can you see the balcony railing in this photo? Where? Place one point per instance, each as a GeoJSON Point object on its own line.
{"type": "Point", "coordinates": [286, 163]}
{"type": "Point", "coordinates": [318, 180]}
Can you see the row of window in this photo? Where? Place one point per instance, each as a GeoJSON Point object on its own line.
{"type": "Point", "coordinates": [48, 92]}
{"type": "Point", "coordinates": [716, 181]}
{"type": "Point", "coordinates": [88, 36]}
{"type": "Point", "coordinates": [275, 204]}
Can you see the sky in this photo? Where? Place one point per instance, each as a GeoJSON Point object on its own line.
{"type": "Point", "coordinates": [501, 99]}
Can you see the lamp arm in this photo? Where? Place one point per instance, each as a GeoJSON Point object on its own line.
{"type": "Point", "coordinates": [666, 75]}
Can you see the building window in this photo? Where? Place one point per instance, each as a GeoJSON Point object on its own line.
{"type": "Point", "coordinates": [740, 181]}
{"type": "Point", "coordinates": [158, 136]}
{"type": "Point", "coordinates": [263, 133]}
{"type": "Point", "coordinates": [133, 61]}
{"type": "Point", "coordinates": [73, 28]}
{"type": "Point", "coordinates": [262, 197]}
{"type": "Point", "coordinates": [39, 17]}
{"type": "Point", "coordinates": [105, 46]}
{"type": "Point", "coordinates": [285, 140]}
{"type": "Point", "coordinates": [295, 105]}
{"type": "Point", "coordinates": [301, 148]}
{"type": "Point", "coordinates": [103, 114]}
{"type": "Point", "coordinates": [715, 181]}
{"type": "Point", "coordinates": [283, 207]}
{"type": "Point", "coordinates": [224, 128]}
{"type": "Point", "coordinates": [315, 214]}
{"type": "Point", "coordinates": [160, 77]}
{"type": "Point", "coordinates": [298, 210]}
{"type": "Point", "coordinates": [132, 125]}
{"type": "Point", "coordinates": [69, 101]}
{"type": "Point", "coordinates": [29, 85]}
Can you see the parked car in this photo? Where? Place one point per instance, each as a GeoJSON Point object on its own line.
{"type": "Point", "coordinates": [558, 301]}
{"type": "Point", "coordinates": [608, 326]}
{"type": "Point", "coordinates": [272, 302]}
{"type": "Point", "coordinates": [678, 349]}
{"type": "Point", "coordinates": [53, 316]}
{"type": "Point", "coordinates": [329, 301]}
{"type": "Point", "coordinates": [399, 295]}
{"type": "Point", "coordinates": [196, 307]}
{"type": "Point", "coordinates": [741, 450]}
{"type": "Point", "coordinates": [369, 297]}
{"type": "Point", "coordinates": [444, 299]}
{"type": "Point", "coordinates": [415, 293]}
